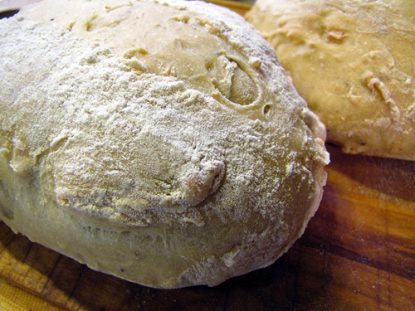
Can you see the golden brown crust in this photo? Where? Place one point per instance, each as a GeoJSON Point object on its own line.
{"type": "Point", "coordinates": [353, 61]}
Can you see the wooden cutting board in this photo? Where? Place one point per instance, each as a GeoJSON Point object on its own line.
{"type": "Point", "coordinates": [358, 253]}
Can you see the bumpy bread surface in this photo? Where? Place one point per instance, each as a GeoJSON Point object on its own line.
{"type": "Point", "coordinates": [354, 63]}
{"type": "Point", "coordinates": [160, 142]}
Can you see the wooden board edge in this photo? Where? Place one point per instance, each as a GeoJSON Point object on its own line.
{"type": "Point", "coordinates": [15, 299]}
{"type": "Point", "coordinates": [238, 7]}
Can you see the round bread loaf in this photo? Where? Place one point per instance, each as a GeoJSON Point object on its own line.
{"type": "Point", "coordinates": [158, 141]}
{"type": "Point", "coordinates": [354, 63]}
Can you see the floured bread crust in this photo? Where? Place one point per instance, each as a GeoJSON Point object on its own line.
{"type": "Point", "coordinates": [156, 141]}
{"type": "Point", "coordinates": [354, 63]}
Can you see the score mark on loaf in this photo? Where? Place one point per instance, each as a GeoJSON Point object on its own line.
{"type": "Point", "coordinates": [158, 141]}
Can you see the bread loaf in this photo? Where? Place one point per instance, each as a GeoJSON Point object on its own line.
{"type": "Point", "coordinates": [354, 63]}
{"type": "Point", "coordinates": [158, 141]}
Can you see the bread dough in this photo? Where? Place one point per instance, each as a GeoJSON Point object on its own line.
{"type": "Point", "coordinates": [156, 141]}
{"type": "Point", "coordinates": [354, 63]}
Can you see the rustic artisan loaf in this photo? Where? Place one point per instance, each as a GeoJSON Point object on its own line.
{"type": "Point", "coordinates": [159, 142]}
{"type": "Point", "coordinates": [354, 63]}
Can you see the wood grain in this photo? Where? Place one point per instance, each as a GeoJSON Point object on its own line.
{"type": "Point", "coordinates": [358, 253]}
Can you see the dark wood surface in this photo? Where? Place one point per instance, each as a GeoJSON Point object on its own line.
{"type": "Point", "coordinates": [358, 253]}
